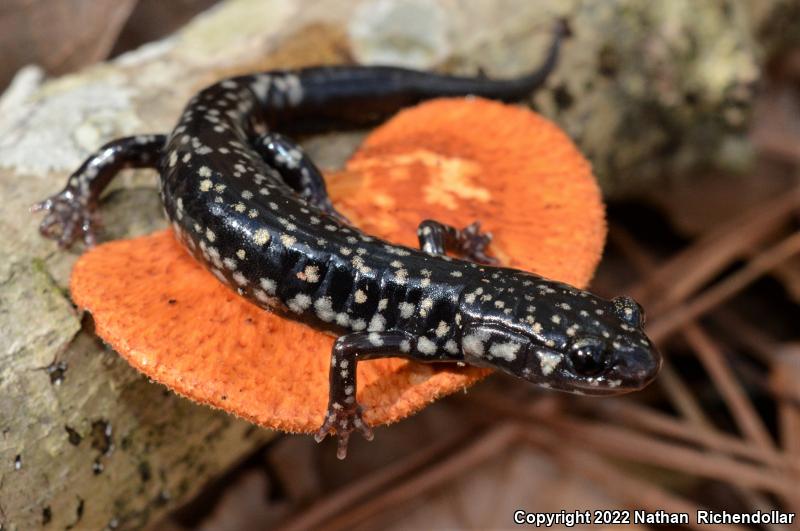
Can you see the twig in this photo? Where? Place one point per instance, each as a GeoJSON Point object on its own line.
{"type": "Point", "coordinates": [681, 396]}
{"type": "Point", "coordinates": [746, 335]}
{"type": "Point", "coordinates": [785, 380]}
{"type": "Point", "coordinates": [740, 407]}
{"type": "Point", "coordinates": [682, 314]}
{"type": "Point", "coordinates": [637, 416]}
{"type": "Point", "coordinates": [695, 266]}
{"type": "Point", "coordinates": [640, 494]}
{"type": "Point", "coordinates": [367, 487]}
{"type": "Point", "coordinates": [489, 444]}
{"type": "Point", "coordinates": [629, 445]}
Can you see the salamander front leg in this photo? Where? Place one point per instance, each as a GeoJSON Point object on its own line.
{"type": "Point", "coordinates": [297, 170]}
{"type": "Point", "coordinates": [344, 412]}
{"type": "Point", "coordinates": [71, 212]}
{"type": "Point", "coordinates": [435, 238]}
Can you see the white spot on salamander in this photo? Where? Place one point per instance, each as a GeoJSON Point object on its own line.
{"type": "Point", "coordinates": [426, 346]}
{"type": "Point", "coordinates": [375, 339]}
{"type": "Point", "coordinates": [261, 86]}
{"type": "Point", "coordinates": [406, 310]}
{"type": "Point", "coordinates": [424, 306]}
{"type": "Point", "coordinates": [268, 285]}
{"type": "Point", "coordinates": [507, 351]}
{"type": "Point", "coordinates": [272, 302]}
{"type": "Point", "coordinates": [360, 265]}
{"type": "Point", "coordinates": [310, 274]}
{"type": "Point", "coordinates": [300, 302]}
{"type": "Point", "coordinates": [261, 236]}
{"type": "Point", "coordinates": [548, 361]}
{"type": "Point", "coordinates": [401, 276]}
{"type": "Point", "coordinates": [451, 347]}
{"type": "Point", "coordinates": [472, 344]}
{"type": "Point", "coordinates": [324, 308]}
{"type": "Point", "coordinates": [377, 323]}
{"type": "Point", "coordinates": [219, 275]}
{"type": "Point", "coordinates": [342, 319]}
{"type": "Point", "coordinates": [360, 297]}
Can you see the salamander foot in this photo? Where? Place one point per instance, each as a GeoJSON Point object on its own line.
{"type": "Point", "coordinates": [68, 218]}
{"type": "Point", "coordinates": [435, 237]}
{"type": "Point", "coordinates": [341, 422]}
{"type": "Point", "coordinates": [473, 244]}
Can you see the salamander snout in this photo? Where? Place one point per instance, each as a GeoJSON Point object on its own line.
{"type": "Point", "coordinates": [636, 367]}
{"type": "Point", "coordinates": [599, 366]}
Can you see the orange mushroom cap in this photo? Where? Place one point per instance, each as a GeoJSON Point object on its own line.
{"type": "Point", "coordinates": [453, 160]}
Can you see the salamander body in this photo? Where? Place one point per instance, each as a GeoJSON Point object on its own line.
{"type": "Point", "coordinates": [252, 207]}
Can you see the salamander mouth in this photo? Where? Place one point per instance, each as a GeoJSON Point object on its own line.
{"type": "Point", "coordinates": [632, 371]}
{"type": "Point", "coordinates": [572, 386]}
{"type": "Point", "coordinates": [602, 386]}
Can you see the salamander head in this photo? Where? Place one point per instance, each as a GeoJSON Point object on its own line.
{"type": "Point", "coordinates": [560, 337]}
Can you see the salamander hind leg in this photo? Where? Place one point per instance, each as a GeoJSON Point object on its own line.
{"type": "Point", "coordinates": [71, 212]}
{"type": "Point", "coordinates": [297, 170]}
{"type": "Point", "coordinates": [435, 238]}
{"type": "Point", "coordinates": [344, 414]}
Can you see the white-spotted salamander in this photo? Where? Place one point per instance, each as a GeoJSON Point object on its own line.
{"type": "Point", "coordinates": [249, 205]}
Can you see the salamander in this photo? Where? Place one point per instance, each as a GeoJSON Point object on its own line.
{"type": "Point", "coordinates": [252, 207]}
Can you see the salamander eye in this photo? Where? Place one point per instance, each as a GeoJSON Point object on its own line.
{"type": "Point", "coordinates": [588, 356]}
{"type": "Point", "coordinates": [629, 311]}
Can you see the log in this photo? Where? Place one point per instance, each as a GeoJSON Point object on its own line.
{"type": "Point", "coordinates": [644, 87]}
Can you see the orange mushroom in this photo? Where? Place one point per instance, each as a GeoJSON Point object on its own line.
{"type": "Point", "coordinates": [454, 160]}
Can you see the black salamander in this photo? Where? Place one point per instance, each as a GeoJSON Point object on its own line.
{"type": "Point", "coordinates": [253, 208]}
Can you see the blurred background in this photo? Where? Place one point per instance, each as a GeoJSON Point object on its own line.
{"type": "Point", "coordinates": [690, 115]}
